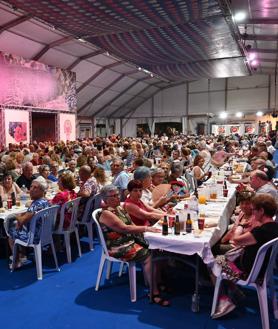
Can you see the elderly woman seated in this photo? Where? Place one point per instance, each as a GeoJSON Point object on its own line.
{"type": "Point", "coordinates": [158, 177]}
{"type": "Point", "coordinates": [66, 193]}
{"type": "Point", "coordinates": [264, 207]}
{"type": "Point", "coordinates": [124, 239]}
{"type": "Point", "coordinates": [244, 222]}
{"type": "Point", "coordinates": [20, 228]}
{"type": "Point", "coordinates": [44, 171]}
{"type": "Point", "coordinates": [143, 174]}
{"type": "Point", "coordinates": [8, 187]}
{"type": "Point", "coordinates": [140, 212]}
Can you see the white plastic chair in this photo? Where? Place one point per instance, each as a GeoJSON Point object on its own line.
{"type": "Point", "coordinates": [87, 219]}
{"type": "Point", "coordinates": [252, 281]}
{"type": "Point", "coordinates": [46, 218]}
{"type": "Point", "coordinates": [66, 232]}
{"type": "Point", "coordinates": [105, 257]}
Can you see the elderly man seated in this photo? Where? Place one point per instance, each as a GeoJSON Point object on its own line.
{"type": "Point", "coordinates": [261, 183]}
{"type": "Point", "coordinates": [27, 176]}
{"type": "Point", "coordinates": [21, 229]}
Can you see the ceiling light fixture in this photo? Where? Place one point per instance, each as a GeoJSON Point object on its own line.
{"type": "Point", "coordinates": [254, 62]}
{"type": "Point", "coordinates": [240, 16]}
{"type": "Point", "coordinates": [239, 114]}
{"type": "Point", "coordinates": [81, 40]}
{"type": "Point", "coordinates": [139, 68]}
{"type": "Point", "coordinates": [259, 114]}
{"type": "Point", "coordinates": [223, 115]}
{"type": "Point", "coordinates": [252, 56]}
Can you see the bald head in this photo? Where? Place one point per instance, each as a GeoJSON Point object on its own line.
{"type": "Point", "coordinates": [85, 173]}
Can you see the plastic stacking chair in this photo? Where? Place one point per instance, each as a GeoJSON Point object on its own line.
{"type": "Point", "coordinates": [105, 257]}
{"type": "Point", "coordinates": [46, 219]}
{"type": "Point", "coordinates": [252, 280]}
{"type": "Point", "coordinates": [66, 232]}
{"type": "Point", "coordinates": [87, 219]}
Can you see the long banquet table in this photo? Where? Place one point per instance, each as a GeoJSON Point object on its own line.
{"type": "Point", "coordinates": [218, 212]}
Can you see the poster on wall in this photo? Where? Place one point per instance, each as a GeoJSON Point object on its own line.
{"type": "Point", "coordinates": [30, 83]}
{"type": "Point", "coordinates": [16, 126]}
{"type": "Point", "coordinates": [249, 128]}
{"type": "Point", "coordinates": [67, 127]}
{"type": "Point", "coordinates": [234, 129]}
{"type": "Point", "coordinates": [221, 130]}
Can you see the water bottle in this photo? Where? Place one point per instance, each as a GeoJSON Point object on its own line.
{"type": "Point", "coordinates": [195, 307]}
{"type": "Point", "coordinates": [23, 195]}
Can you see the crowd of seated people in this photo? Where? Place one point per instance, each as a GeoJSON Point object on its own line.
{"type": "Point", "coordinates": [137, 167]}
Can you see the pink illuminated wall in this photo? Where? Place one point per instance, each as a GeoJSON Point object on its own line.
{"type": "Point", "coordinates": [29, 83]}
{"type": "Point", "coordinates": [67, 127]}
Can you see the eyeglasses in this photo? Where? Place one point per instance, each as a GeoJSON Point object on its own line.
{"type": "Point", "coordinates": [116, 195]}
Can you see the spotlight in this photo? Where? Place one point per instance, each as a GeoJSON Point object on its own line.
{"type": "Point", "coordinates": [259, 114]}
{"type": "Point", "coordinates": [139, 68]}
{"type": "Point", "coordinates": [254, 62]}
{"type": "Point", "coordinates": [81, 40]}
{"type": "Point", "coordinates": [223, 115]}
{"type": "Point", "coordinates": [239, 16]}
{"type": "Point", "coordinates": [151, 75]}
{"type": "Point", "coordinates": [252, 56]}
{"type": "Point", "coordinates": [239, 114]}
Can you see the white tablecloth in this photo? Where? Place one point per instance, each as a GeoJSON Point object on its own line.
{"type": "Point", "coordinates": [14, 211]}
{"type": "Point", "coordinates": [188, 244]}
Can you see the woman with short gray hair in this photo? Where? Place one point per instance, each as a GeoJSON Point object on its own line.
{"type": "Point", "coordinates": [143, 174]}
{"type": "Point", "coordinates": [124, 239]}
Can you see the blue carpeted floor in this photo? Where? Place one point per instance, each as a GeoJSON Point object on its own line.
{"type": "Point", "coordinates": [67, 299]}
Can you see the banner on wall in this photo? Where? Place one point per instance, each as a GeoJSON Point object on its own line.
{"type": "Point", "coordinates": [234, 129]}
{"type": "Point", "coordinates": [30, 83]}
{"type": "Point", "coordinates": [221, 130]}
{"type": "Point", "coordinates": [249, 128]}
{"type": "Point", "coordinates": [67, 127]}
{"type": "Point", "coordinates": [16, 126]}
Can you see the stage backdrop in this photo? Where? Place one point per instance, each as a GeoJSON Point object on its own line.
{"type": "Point", "coordinates": [67, 127]}
{"type": "Point", "coordinates": [29, 83]}
{"type": "Point", "coordinates": [16, 126]}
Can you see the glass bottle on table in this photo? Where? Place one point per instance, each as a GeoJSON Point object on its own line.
{"type": "Point", "coordinates": [165, 226]}
{"type": "Point", "coordinates": [225, 189]}
{"type": "Point", "coordinates": [188, 224]}
{"type": "Point", "coordinates": [177, 228]}
{"type": "Point", "coordinates": [13, 198]}
{"type": "Point", "coordinates": [23, 195]}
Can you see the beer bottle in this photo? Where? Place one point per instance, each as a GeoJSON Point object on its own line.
{"type": "Point", "coordinates": [165, 226]}
{"type": "Point", "coordinates": [13, 198]}
{"type": "Point", "coordinates": [188, 224]}
{"type": "Point", "coordinates": [196, 192]}
{"type": "Point", "coordinates": [225, 185]}
{"type": "Point", "coordinates": [177, 228]}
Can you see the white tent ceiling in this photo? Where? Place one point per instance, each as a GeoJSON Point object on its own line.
{"type": "Point", "coordinates": [109, 86]}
